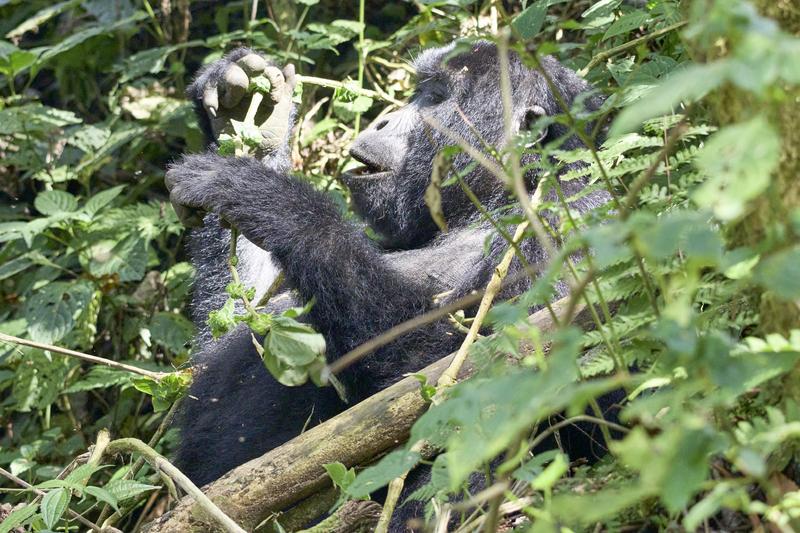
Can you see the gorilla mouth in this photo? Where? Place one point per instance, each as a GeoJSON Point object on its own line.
{"type": "Point", "coordinates": [368, 169]}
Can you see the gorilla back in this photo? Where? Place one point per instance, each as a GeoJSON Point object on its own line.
{"type": "Point", "coordinates": [236, 410]}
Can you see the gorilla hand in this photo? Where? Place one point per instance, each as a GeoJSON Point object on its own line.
{"type": "Point", "coordinates": [194, 181]}
{"type": "Point", "coordinates": [227, 85]}
{"type": "Point", "coordinates": [221, 94]}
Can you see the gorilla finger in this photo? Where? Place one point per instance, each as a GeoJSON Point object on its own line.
{"type": "Point", "coordinates": [189, 217]}
{"type": "Point", "coordinates": [289, 75]}
{"type": "Point", "coordinates": [252, 64]}
{"type": "Point", "coordinates": [211, 99]}
{"type": "Point", "coordinates": [235, 85]}
{"type": "Point", "coordinates": [276, 81]}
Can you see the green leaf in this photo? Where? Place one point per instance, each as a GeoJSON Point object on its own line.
{"type": "Point", "coordinates": [293, 343]}
{"type": "Point", "coordinates": [167, 390]}
{"type": "Point", "coordinates": [17, 517]}
{"type": "Point", "coordinates": [52, 310]}
{"type": "Point", "coordinates": [550, 475]}
{"type": "Point", "coordinates": [738, 161]}
{"type": "Point", "coordinates": [528, 23]}
{"type": "Point", "coordinates": [55, 202]}
{"type": "Point", "coordinates": [780, 273]}
{"type": "Point", "coordinates": [15, 60]}
{"type": "Point", "coordinates": [15, 266]}
{"type": "Point", "coordinates": [375, 477]}
{"type": "Point", "coordinates": [341, 476]}
{"type": "Point", "coordinates": [125, 489]}
{"type": "Point", "coordinates": [103, 495]}
{"type": "Point", "coordinates": [626, 23]}
{"type": "Point", "coordinates": [101, 199]}
{"type": "Point", "coordinates": [597, 505]}
{"type": "Point", "coordinates": [222, 320]}
{"type": "Point", "coordinates": [86, 33]}
{"type": "Point", "coordinates": [100, 377]}
{"type": "Point", "coordinates": [172, 331]}
{"type": "Point", "coordinates": [33, 22]}
{"type": "Point", "coordinates": [53, 506]}
{"type": "Point", "coordinates": [126, 258]}
{"type": "Point", "coordinates": [707, 507]}
{"type": "Point", "coordinates": [685, 85]}
{"type": "Point", "coordinates": [260, 84]}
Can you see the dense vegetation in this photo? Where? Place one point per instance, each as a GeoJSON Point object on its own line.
{"type": "Point", "coordinates": [693, 279]}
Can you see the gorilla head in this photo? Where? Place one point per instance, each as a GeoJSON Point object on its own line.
{"type": "Point", "coordinates": [460, 92]}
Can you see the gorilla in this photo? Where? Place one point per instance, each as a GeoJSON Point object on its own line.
{"type": "Point", "coordinates": [236, 410]}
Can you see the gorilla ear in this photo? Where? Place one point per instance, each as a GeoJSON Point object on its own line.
{"type": "Point", "coordinates": [528, 122]}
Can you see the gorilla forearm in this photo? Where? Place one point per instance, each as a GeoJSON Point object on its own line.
{"type": "Point", "coordinates": [323, 256]}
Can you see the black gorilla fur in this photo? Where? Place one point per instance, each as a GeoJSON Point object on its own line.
{"type": "Point", "coordinates": [236, 411]}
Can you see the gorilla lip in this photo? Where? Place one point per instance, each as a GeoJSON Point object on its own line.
{"type": "Point", "coordinates": [369, 169]}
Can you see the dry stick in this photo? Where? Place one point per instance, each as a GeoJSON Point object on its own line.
{"type": "Point", "coordinates": [83, 356]}
{"type": "Point", "coordinates": [449, 376]}
{"type": "Point", "coordinates": [159, 463]}
{"type": "Point", "coordinates": [22, 483]}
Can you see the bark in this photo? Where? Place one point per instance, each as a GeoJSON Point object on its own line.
{"type": "Point", "coordinates": [290, 475]}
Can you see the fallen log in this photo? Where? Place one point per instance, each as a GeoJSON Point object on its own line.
{"type": "Point", "coordinates": [285, 476]}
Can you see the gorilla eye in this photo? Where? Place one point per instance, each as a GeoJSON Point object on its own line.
{"type": "Point", "coordinates": [432, 92]}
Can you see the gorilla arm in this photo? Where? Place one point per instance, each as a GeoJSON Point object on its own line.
{"type": "Point", "coordinates": [358, 294]}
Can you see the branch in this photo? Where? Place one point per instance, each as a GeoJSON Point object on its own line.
{"type": "Point", "coordinates": [82, 356]}
{"type": "Point", "coordinates": [291, 473]}
{"type": "Point", "coordinates": [160, 464]}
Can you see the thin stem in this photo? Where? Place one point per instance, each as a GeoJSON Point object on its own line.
{"type": "Point", "coordinates": [602, 56]}
{"type": "Point", "coordinates": [332, 84]}
{"type": "Point", "coordinates": [449, 376]}
{"type": "Point", "coordinates": [159, 463]}
{"type": "Point", "coordinates": [362, 57]}
{"type": "Point", "coordinates": [393, 495]}
{"type": "Point", "coordinates": [22, 483]}
{"type": "Point", "coordinates": [233, 261]}
{"type": "Point", "coordinates": [82, 356]}
{"type": "Point", "coordinates": [570, 421]}
{"type": "Point", "coordinates": [132, 471]}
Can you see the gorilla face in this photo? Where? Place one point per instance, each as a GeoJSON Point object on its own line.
{"type": "Point", "coordinates": [462, 93]}
{"type": "Point", "coordinates": [397, 150]}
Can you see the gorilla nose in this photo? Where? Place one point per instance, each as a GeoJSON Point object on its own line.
{"type": "Point", "coordinates": [383, 145]}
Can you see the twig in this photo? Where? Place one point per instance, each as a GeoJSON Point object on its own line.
{"type": "Point", "coordinates": [22, 483]}
{"type": "Point", "coordinates": [333, 84]}
{"type": "Point", "coordinates": [159, 463]}
{"type": "Point", "coordinates": [104, 519]}
{"type": "Point", "coordinates": [393, 492]}
{"type": "Point", "coordinates": [518, 179]}
{"type": "Point", "coordinates": [157, 376]}
{"type": "Point", "coordinates": [602, 56]}
{"type": "Point", "coordinates": [272, 290]}
{"type": "Point", "coordinates": [450, 375]}
{"type": "Point", "coordinates": [363, 350]}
